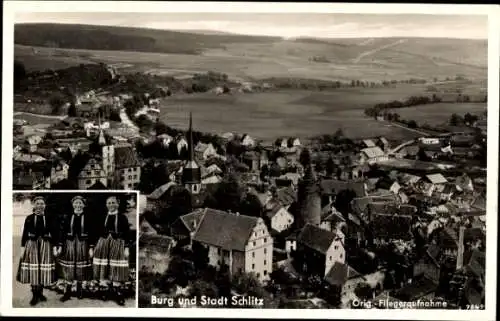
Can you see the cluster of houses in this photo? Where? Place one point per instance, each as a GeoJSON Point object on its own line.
{"type": "Point", "coordinates": [77, 155]}
{"type": "Point", "coordinates": [437, 217]}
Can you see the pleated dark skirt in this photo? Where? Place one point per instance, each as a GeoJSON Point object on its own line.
{"type": "Point", "coordinates": [37, 266]}
{"type": "Point", "coordinates": [109, 261]}
{"type": "Point", "coordinates": [75, 263]}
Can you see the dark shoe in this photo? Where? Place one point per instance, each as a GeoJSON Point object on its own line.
{"type": "Point", "coordinates": [67, 294]}
{"type": "Point", "coordinates": [79, 291]}
{"type": "Point", "coordinates": [34, 299]}
{"type": "Point", "coordinates": [42, 297]}
{"type": "Point", "coordinates": [104, 294]}
{"type": "Point", "coordinates": [38, 292]}
{"type": "Point", "coordinates": [120, 299]}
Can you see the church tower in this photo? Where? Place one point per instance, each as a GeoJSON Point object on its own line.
{"type": "Point", "coordinates": [191, 173]}
{"type": "Point", "coordinates": [309, 198]}
{"type": "Point", "coordinates": [108, 153]}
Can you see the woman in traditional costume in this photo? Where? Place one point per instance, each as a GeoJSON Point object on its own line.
{"type": "Point", "coordinates": [37, 265]}
{"type": "Point", "coordinates": [111, 255]}
{"type": "Point", "coordinates": [75, 245]}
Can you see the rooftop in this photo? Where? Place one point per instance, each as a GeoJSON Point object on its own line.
{"type": "Point", "coordinates": [316, 238]}
{"type": "Point", "coordinates": [225, 230]}
{"type": "Point", "coordinates": [373, 152]}
{"type": "Point", "coordinates": [339, 273]}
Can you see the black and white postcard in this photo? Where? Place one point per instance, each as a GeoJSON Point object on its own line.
{"type": "Point", "coordinates": [74, 249]}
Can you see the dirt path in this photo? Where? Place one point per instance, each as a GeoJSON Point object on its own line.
{"type": "Point", "coordinates": [126, 120]}
{"type": "Point", "coordinates": [18, 113]}
{"type": "Point", "coordinates": [410, 129]}
{"type": "Point", "coordinates": [371, 52]}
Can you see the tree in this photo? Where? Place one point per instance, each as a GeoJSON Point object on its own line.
{"type": "Point", "coordinates": [247, 283]}
{"type": "Point", "coordinates": [201, 287]}
{"type": "Point", "coordinates": [343, 201]}
{"type": "Point", "coordinates": [412, 124]}
{"type": "Point", "coordinates": [180, 271]}
{"type": "Point", "coordinates": [455, 120]}
{"type": "Point", "coordinates": [250, 205]}
{"type": "Point", "coordinates": [338, 134]}
{"type": "Point", "coordinates": [305, 157]}
{"type": "Point", "coordinates": [330, 167]}
{"type": "Point", "coordinates": [264, 172]}
{"type": "Point", "coordinates": [56, 102]}
{"type": "Point", "coordinates": [275, 170]}
{"type": "Point", "coordinates": [364, 291]}
{"type": "Point", "coordinates": [229, 194]}
{"type": "Point", "coordinates": [469, 119]}
{"type": "Point", "coordinates": [161, 128]}
{"type": "Point", "coordinates": [19, 73]}
{"type": "Point", "coordinates": [114, 115]}
{"type": "Point", "coordinates": [332, 295]}
{"type": "Point", "coordinates": [72, 110]}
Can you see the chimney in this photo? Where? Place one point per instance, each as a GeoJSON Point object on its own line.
{"type": "Point", "coordinates": [460, 253]}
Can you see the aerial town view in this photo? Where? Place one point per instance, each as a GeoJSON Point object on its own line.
{"type": "Point", "coordinates": [315, 169]}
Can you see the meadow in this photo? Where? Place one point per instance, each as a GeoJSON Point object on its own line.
{"type": "Point", "coordinates": [437, 114]}
{"type": "Point", "coordinates": [268, 115]}
{"type": "Point", "coordinates": [252, 61]}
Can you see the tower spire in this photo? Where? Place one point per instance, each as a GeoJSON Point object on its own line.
{"type": "Point", "coordinates": [190, 137]}
{"type": "Point", "coordinates": [101, 139]}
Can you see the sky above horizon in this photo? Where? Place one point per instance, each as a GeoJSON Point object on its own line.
{"type": "Point", "coordinates": [288, 25]}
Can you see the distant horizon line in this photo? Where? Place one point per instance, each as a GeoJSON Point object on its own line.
{"type": "Point", "coordinates": [213, 32]}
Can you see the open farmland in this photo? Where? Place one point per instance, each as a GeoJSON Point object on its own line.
{"type": "Point", "coordinates": [250, 61]}
{"type": "Point", "coordinates": [38, 119]}
{"type": "Point", "coordinates": [437, 114]}
{"type": "Point", "coordinates": [268, 115]}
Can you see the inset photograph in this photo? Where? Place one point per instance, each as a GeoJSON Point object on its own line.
{"type": "Point", "coordinates": [74, 249]}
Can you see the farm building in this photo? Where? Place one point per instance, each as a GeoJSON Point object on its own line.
{"type": "Point", "coordinates": [372, 155]}
{"type": "Point", "coordinates": [154, 252]}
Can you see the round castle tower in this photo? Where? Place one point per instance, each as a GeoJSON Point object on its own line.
{"type": "Point", "coordinates": [309, 198]}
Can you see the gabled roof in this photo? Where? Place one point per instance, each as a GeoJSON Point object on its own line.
{"type": "Point", "coordinates": [146, 227]}
{"type": "Point", "coordinates": [201, 147]}
{"type": "Point", "coordinates": [479, 202]}
{"type": "Point", "coordinates": [330, 214]}
{"type": "Point", "coordinates": [332, 186]}
{"type": "Point", "coordinates": [126, 157]}
{"type": "Point", "coordinates": [273, 211]}
{"type": "Point", "coordinates": [339, 273]}
{"type": "Point", "coordinates": [97, 186]}
{"type": "Point", "coordinates": [26, 179]}
{"type": "Point", "coordinates": [385, 183]}
{"type": "Point", "coordinates": [192, 219]}
{"type": "Point", "coordinates": [389, 226]}
{"type": "Point", "coordinates": [372, 152]}
{"type": "Point", "coordinates": [160, 191]}
{"type": "Point", "coordinates": [286, 196]}
{"type": "Point", "coordinates": [316, 238]}
{"type": "Point", "coordinates": [436, 178]}
{"type": "Point", "coordinates": [417, 289]}
{"type": "Point", "coordinates": [448, 238]}
{"type": "Point", "coordinates": [294, 177]}
{"type": "Point", "coordinates": [369, 143]}
{"type": "Point", "coordinates": [359, 204]}
{"type": "Point", "coordinates": [384, 140]}
{"type": "Point", "coordinates": [158, 242]}
{"type": "Point", "coordinates": [477, 263]}
{"type": "Point", "coordinates": [225, 230]}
